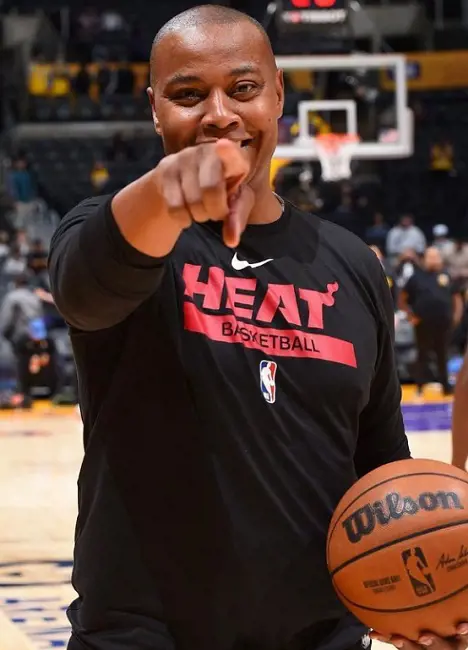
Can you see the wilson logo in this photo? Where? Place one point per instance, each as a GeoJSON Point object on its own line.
{"type": "Point", "coordinates": [363, 521]}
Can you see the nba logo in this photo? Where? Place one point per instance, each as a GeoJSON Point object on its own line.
{"type": "Point", "coordinates": [267, 380]}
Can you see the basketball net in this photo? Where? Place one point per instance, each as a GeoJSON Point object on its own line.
{"type": "Point", "coordinates": [335, 151]}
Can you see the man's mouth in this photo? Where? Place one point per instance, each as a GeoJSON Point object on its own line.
{"type": "Point", "coordinates": [241, 142]}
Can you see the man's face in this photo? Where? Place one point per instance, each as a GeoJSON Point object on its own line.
{"type": "Point", "coordinates": [218, 81]}
{"type": "Point", "coordinates": [433, 259]}
{"type": "Point", "coordinates": [406, 221]}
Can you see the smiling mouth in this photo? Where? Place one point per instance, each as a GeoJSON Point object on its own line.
{"type": "Point", "coordinates": [241, 143]}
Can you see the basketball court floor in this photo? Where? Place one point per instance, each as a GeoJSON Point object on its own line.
{"type": "Point", "coordinates": [40, 455]}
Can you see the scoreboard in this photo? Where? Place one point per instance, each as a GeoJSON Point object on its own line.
{"type": "Point", "coordinates": [313, 12]}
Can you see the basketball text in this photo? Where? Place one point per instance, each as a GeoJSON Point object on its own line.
{"type": "Point", "coordinates": [363, 521]}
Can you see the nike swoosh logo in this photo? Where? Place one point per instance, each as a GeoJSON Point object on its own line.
{"type": "Point", "coordinates": [240, 265]}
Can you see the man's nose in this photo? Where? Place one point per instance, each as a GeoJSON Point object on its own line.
{"type": "Point", "coordinates": [219, 115]}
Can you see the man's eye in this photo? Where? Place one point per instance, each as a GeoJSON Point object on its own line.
{"type": "Point", "coordinates": [189, 94]}
{"type": "Point", "coordinates": [243, 88]}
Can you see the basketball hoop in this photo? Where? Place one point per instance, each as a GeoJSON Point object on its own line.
{"type": "Point", "coordinates": [335, 151]}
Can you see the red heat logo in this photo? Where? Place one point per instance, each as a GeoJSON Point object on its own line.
{"type": "Point", "coordinates": [233, 298]}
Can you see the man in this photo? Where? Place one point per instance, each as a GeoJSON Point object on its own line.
{"type": "Point", "coordinates": [230, 349]}
{"type": "Point", "coordinates": [403, 236]}
{"type": "Point", "coordinates": [434, 308]}
{"type": "Point", "coordinates": [443, 242]}
{"type": "Point", "coordinates": [22, 323]}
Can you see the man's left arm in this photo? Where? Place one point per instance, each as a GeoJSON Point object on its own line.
{"type": "Point", "coordinates": [382, 437]}
{"type": "Point", "coordinates": [381, 440]}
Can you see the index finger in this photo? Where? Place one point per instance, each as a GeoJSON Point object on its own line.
{"type": "Point", "coordinates": [235, 166]}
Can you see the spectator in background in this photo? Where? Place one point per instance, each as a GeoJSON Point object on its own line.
{"type": "Point", "coordinates": [125, 79]}
{"type": "Point", "coordinates": [346, 217]}
{"type": "Point", "coordinates": [392, 285]}
{"type": "Point", "coordinates": [106, 80]}
{"type": "Point", "coordinates": [407, 265]}
{"type": "Point", "coordinates": [22, 324]}
{"type": "Point", "coordinates": [120, 149]}
{"type": "Point", "coordinates": [37, 257]}
{"type": "Point", "coordinates": [403, 236]}
{"type": "Point", "coordinates": [15, 263]}
{"type": "Point", "coordinates": [22, 241]}
{"type": "Point", "coordinates": [442, 166]}
{"type": "Point", "coordinates": [112, 21]}
{"type": "Point", "coordinates": [435, 308]}
{"type": "Point", "coordinates": [7, 212]}
{"type": "Point", "coordinates": [458, 263]}
{"type": "Point", "coordinates": [376, 235]}
{"type": "Point", "coordinates": [81, 83]}
{"type": "Point", "coordinates": [99, 175]}
{"type": "Point", "coordinates": [442, 158]}
{"type": "Point", "coordinates": [23, 190]}
{"type": "Point", "coordinates": [88, 26]}
{"type": "Point", "coordinates": [442, 242]}
{"type": "Point", "coordinates": [4, 245]}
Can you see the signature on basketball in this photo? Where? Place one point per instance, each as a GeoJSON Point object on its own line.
{"type": "Point", "coordinates": [451, 562]}
{"type": "Point", "coordinates": [395, 506]}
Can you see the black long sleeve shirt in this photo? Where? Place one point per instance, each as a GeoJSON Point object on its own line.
{"type": "Point", "coordinates": [229, 400]}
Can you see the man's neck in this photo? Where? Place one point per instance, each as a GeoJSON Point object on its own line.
{"type": "Point", "coordinates": [267, 208]}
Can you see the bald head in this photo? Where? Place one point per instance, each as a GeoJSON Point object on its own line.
{"type": "Point", "coordinates": [205, 16]}
{"type": "Point", "coordinates": [433, 259]}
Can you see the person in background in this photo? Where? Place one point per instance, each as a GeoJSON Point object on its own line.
{"type": "Point", "coordinates": [15, 262]}
{"type": "Point", "coordinates": [407, 264]}
{"type": "Point", "coordinates": [388, 273]}
{"type": "Point", "coordinates": [22, 241]}
{"type": "Point", "coordinates": [403, 236]}
{"type": "Point", "coordinates": [442, 241]}
{"type": "Point", "coordinates": [442, 168]}
{"type": "Point", "coordinates": [376, 235]}
{"type": "Point", "coordinates": [23, 190]}
{"type": "Point", "coordinates": [22, 324]}
{"type": "Point", "coordinates": [106, 79]}
{"type": "Point", "coordinates": [125, 79]}
{"type": "Point", "coordinates": [99, 175]}
{"type": "Point", "coordinates": [81, 82]}
{"type": "Point", "coordinates": [345, 215]}
{"type": "Point", "coordinates": [120, 149]}
{"type": "Point", "coordinates": [442, 157]}
{"type": "Point", "coordinates": [434, 308]}
{"type": "Point", "coordinates": [37, 257]}
{"type": "Point", "coordinates": [112, 21]}
{"type": "Point", "coordinates": [458, 263]}
{"type": "Point", "coordinates": [4, 245]}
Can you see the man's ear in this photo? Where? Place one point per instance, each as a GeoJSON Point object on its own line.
{"type": "Point", "coordinates": [157, 126]}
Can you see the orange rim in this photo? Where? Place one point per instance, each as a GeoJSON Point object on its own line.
{"type": "Point", "coordinates": [333, 141]}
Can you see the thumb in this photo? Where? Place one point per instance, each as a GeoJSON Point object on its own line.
{"type": "Point", "coordinates": [240, 207]}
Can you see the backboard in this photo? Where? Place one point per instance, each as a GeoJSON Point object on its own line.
{"type": "Point", "coordinates": [393, 136]}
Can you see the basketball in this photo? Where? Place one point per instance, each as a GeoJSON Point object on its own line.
{"type": "Point", "coordinates": [397, 548]}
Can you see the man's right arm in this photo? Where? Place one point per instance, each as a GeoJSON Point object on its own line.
{"type": "Point", "coordinates": [97, 277]}
{"type": "Point", "coordinates": [108, 254]}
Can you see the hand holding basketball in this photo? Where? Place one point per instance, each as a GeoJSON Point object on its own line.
{"type": "Point", "coordinates": [428, 640]}
{"type": "Point", "coordinates": [398, 555]}
{"type": "Point", "coordinates": [204, 183]}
